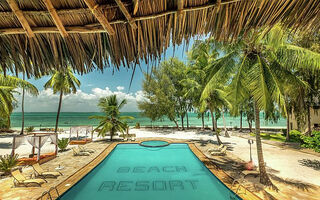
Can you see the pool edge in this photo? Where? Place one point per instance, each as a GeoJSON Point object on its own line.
{"type": "Point", "coordinates": [73, 179]}
{"type": "Point", "coordinates": [240, 190]}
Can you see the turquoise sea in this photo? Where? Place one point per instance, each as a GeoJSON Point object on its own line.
{"type": "Point", "coordinates": [67, 119]}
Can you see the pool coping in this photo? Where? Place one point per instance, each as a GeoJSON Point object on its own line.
{"type": "Point", "coordinates": [73, 179]}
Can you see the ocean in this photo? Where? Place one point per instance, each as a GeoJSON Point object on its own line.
{"type": "Point", "coordinates": [68, 119]}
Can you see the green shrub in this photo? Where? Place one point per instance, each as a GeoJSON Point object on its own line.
{"type": "Point", "coordinates": [313, 141]}
{"type": "Point", "coordinates": [29, 129]}
{"type": "Point", "coordinates": [8, 162]}
{"type": "Point", "coordinates": [218, 130]}
{"type": "Point", "coordinates": [284, 131]}
{"type": "Point", "coordinates": [63, 143]}
{"type": "Point", "coordinates": [295, 136]}
{"type": "Point", "coordinates": [137, 125]}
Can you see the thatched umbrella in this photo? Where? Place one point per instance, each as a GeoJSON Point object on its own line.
{"type": "Point", "coordinates": [88, 34]}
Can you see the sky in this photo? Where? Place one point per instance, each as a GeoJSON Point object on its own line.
{"type": "Point", "coordinates": [95, 85]}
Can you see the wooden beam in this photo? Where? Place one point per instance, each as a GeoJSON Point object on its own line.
{"type": "Point", "coordinates": [55, 18]}
{"type": "Point", "coordinates": [135, 6]}
{"type": "Point", "coordinates": [97, 28]}
{"type": "Point", "coordinates": [98, 13]}
{"type": "Point", "coordinates": [126, 14]}
{"type": "Point", "coordinates": [23, 21]}
{"type": "Point", "coordinates": [180, 4]}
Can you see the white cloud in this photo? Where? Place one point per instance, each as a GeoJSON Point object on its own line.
{"type": "Point", "coordinates": [120, 88]}
{"type": "Point", "coordinates": [46, 101]}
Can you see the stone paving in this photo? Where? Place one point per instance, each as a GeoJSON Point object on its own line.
{"type": "Point", "coordinates": [66, 159]}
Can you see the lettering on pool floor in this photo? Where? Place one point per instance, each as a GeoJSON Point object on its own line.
{"type": "Point", "coordinates": [158, 185]}
{"type": "Point", "coordinates": [152, 169]}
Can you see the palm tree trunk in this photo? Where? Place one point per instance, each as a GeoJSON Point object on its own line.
{"type": "Point", "coordinates": [177, 125]}
{"type": "Point", "coordinates": [264, 178]}
{"type": "Point", "coordinates": [187, 120]}
{"type": "Point", "coordinates": [58, 114]}
{"type": "Point", "coordinates": [224, 124]}
{"type": "Point", "coordinates": [22, 112]}
{"type": "Point", "coordinates": [240, 121]}
{"type": "Point", "coordinates": [182, 123]}
{"type": "Point", "coordinates": [202, 119]}
{"type": "Point", "coordinates": [213, 121]}
{"type": "Point", "coordinates": [111, 134]}
{"type": "Point", "coordinates": [8, 121]}
{"type": "Point", "coordinates": [250, 124]}
{"type": "Point", "coordinates": [288, 128]}
{"type": "Point", "coordinates": [213, 126]}
{"type": "Point", "coordinates": [216, 124]}
{"type": "Point", "coordinates": [309, 121]}
{"type": "Point", "coordinates": [22, 108]}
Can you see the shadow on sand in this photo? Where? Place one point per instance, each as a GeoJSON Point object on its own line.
{"type": "Point", "coordinates": [314, 164]}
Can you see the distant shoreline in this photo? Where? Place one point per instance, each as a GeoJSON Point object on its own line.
{"type": "Point", "coordinates": [173, 127]}
{"type": "Point", "coordinates": [69, 119]}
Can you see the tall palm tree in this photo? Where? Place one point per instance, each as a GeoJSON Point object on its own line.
{"type": "Point", "coordinates": [214, 98]}
{"type": "Point", "coordinates": [63, 82]}
{"type": "Point", "coordinates": [111, 122]}
{"type": "Point", "coordinates": [266, 61]}
{"type": "Point", "coordinates": [8, 84]}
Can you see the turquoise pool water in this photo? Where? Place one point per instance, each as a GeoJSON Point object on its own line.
{"type": "Point", "coordinates": [135, 172]}
{"type": "Point", "coordinates": [154, 143]}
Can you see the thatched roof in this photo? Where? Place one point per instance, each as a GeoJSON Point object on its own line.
{"type": "Point", "coordinates": [88, 34]}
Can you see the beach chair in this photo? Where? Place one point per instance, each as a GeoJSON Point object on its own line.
{"type": "Point", "coordinates": [220, 153]}
{"type": "Point", "coordinates": [216, 149]}
{"type": "Point", "coordinates": [77, 152]}
{"type": "Point", "coordinates": [40, 172]}
{"type": "Point", "coordinates": [19, 179]}
{"type": "Point", "coordinates": [84, 149]}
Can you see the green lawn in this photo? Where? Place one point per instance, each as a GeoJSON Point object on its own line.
{"type": "Point", "coordinates": [272, 136]}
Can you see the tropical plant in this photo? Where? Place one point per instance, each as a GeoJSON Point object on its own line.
{"type": "Point", "coordinates": [34, 92]}
{"type": "Point", "coordinates": [30, 129]}
{"type": "Point", "coordinates": [63, 82]}
{"type": "Point", "coordinates": [112, 121]}
{"type": "Point", "coordinates": [296, 136]}
{"type": "Point", "coordinates": [213, 99]}
{"type": "Point", "coordinates": [8, 162]}
{"type": "Point", "coordinates": [312, 141]}
{"type": "Point", "coordinates": [266, 64]}
{"type": "Point", "coordinates": [8, 84]}
{"type": "Point", "coordinates": [164, 92]}
{"type": "Point", "coordinates": [199, 58]}
{"type": "Point", "coordinates": [63, 143]}
{"type": "Point", "coordinates": [137, 126]}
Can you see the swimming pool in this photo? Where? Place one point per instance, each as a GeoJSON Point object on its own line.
{"type": "Point", "coordinates": [135, 172]}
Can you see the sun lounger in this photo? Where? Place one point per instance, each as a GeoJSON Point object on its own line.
{"type": "Point", "coordinates": [84, 149]}
{"type": "Point", "coordinates": [220, 153]}
{"type": "Point", "coordinates": [216, 149]}
{"type": "Point", "coordinates": [77, 152]}
{"type": "Point", "coordinates": [19, 179]}
{"type": "Point", "coordinates": [40, 172]}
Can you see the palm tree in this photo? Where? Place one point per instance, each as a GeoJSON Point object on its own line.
{"type": "Point", "coordinates": [111, 122]}
{"type": "Point", "coordinates": [214, 98]}
{"type": "Point", "coordinates": [266, 61]}
{"type": "Point", "coordinates": [33, 92]}
{"type": "Point", "coordinates": [8, 84]}
{"type": "Point", "coordinates": [63, 82]}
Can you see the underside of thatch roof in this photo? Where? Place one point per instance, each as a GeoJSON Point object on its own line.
{"type": "Point", "coordinates": [40, 35]}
